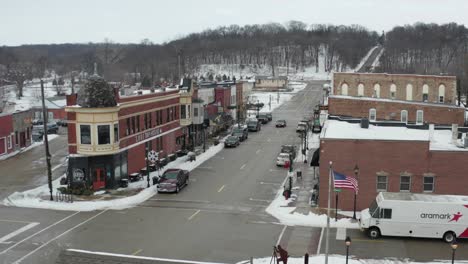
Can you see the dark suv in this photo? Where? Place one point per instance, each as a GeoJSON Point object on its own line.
{"type": "Point", "coordinates": [290, 149]}
{"type": "Point", "coordinates": [241, 132]}
{"type": "Point", "coordinates": [173, 180]}
{"type": "Point", "coordinates": [263, 118]}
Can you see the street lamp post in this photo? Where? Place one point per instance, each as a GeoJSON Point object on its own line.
{"type": "Point", "coordinates": [454, 247]}
{"type": "Point", "coordinates": [348, 243]}
{"type": "Point", "coordinates": [147, 165]}
{"type": "Point", "coordinates": [356, 175]}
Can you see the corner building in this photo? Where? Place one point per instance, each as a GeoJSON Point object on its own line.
{"type": "Point", "coordinates": [107, 144]}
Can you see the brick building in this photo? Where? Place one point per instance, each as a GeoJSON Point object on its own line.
{"type": "Point", "coordinates": [378, 109]}
{"type": "Point", "coordinates": [107, 144]}
{"type": "Point", "coordinates": [15, 131]}
{"type": "Point", "coordinates": [408, 87]}
{"type": "Point", "coordinates": [394, 159]}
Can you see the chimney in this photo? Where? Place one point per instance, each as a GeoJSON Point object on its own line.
{"type": "Point", "coordinates": [431, 132]}
{"type": "Point", "coordinates": [454, 132]}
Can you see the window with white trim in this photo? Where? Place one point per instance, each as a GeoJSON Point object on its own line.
{"type": "Point", "coordinates": [381, 183]}
{"type": "Point", "coordinates": [392, 91]}
{"type": "Point", "coordinates": [344, 89]}
{"type": "Point", "coordinates": [419, 117]}
{"type": "Point", "coordinates": [372, 114]}
{"type": "Point", "coordinates": [85, 134]}
{"type": "Point", "coordinates": [9, 142]}
{"type": "Point", "coordinates": [441, 93]}
{"type": "Point", "coordinates": [404, 116]}
{"type": "Point", "coordinates": [428, 184]}
{"type": "Point", "coordinates": [409, 92]}
{"type": "Point", "coordinates": [425, 95]}
{"type": "Point", "coordinates": [405, 183]}
{"type": "Point", "coordinates": [103, 134]}
{"type": "Point", "coordinates": [116, 132]}
{"type": "Point", "coordinates": [360, 89]}
{"type": "Point", "coordinates": [377, 90]}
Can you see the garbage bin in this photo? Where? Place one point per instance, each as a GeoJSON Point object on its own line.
{"type": "Point", "coordinates": [155, 180]}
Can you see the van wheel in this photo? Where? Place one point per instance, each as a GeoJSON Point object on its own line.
{"type": "Point", "coordinates": [449, 237]}
{"type": "Point", "coordinates": [374, 232]}
{"type": "Point", "coordinates": [177, 189]}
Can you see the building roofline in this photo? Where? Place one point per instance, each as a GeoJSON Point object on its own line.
{"type": "Point", "coordinates": [398, 74]}
{"type": "Point", "coordinates": [386, 100]}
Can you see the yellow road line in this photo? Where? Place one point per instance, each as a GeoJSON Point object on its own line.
{"type": "Point", "coordinates": [194, 214]}
{"type": "Point", "coordinates": [221, 189]}
{"type": "Point", "coordinates": [136, 252]}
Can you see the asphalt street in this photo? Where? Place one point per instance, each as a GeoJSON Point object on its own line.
{"type": "Point", "coordinates": [219, 217]}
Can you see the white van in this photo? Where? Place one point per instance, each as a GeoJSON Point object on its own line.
{"type": "Point", "coordinates": [417, 215]}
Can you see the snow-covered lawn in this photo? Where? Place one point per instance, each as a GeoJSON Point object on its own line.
{"type": "Point", "coordinates": [33, 145]}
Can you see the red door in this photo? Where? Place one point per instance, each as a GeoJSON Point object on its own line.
{"type": "Point", "coordinates": [99, 180]}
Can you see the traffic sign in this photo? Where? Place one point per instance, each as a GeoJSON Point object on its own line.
{"type": "Point", "coordinates": [153, 156]}
{"type": "Point", "coordinates": [337, 190]}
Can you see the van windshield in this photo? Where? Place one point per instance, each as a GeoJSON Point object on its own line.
{"type": "Point", "coordinates": [373, 208]}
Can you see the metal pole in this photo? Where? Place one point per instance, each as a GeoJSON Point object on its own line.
{"type": "Point", "coordinates": [453, 256]}
{"type": "Point", "coordinates": [204, 138]}
{"type": "Point", "coordinates": [336, 208]}
{"type": "Point", "coordinates": [354, 209]}
{"type": "Point", "coordinates": [147, 165]}
{"type": "Point", "coordinates": [347, 253]}
{"type": "Point", "coordinates": [46, 142]}
{"type": "Point", "coordinates": [328, 213]}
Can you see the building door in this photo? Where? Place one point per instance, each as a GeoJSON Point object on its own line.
{"type": "Point", "coordinates": [22, 139]}
{"type": "Point", "coordinates": [99, 179]}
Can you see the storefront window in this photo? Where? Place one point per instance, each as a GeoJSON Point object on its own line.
{"type": "Point", "coordinates": [103, 134]}
{"type": "Point", "coordinates": [85, 134]}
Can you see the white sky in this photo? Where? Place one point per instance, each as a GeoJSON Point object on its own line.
{"type": "Point", "coordinates": [130, 21]}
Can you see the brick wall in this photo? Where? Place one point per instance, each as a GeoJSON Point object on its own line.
{"type": "Point", "coordinates": [391, 158]}
{"type": "Point", "coordinates": [401, 81]}
{"type": "Point", "coordinates": [391, 110]}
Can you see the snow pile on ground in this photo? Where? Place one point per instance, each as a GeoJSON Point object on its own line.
{"type": "Point", "coordinates": [339, 259]}
{"type": "Point", "coordinates": [33, 145]}
{"type": "Point", "coordinates": [272, 100]}
{"type": "Point", "coordinates": [285, 214]}
{"type": "Point", "coordinates": [38, 197]}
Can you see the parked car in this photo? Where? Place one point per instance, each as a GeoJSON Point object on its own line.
{"type": "Point", "coordinates": [281, 123]}
{"type": "Point", "coordinates": [232, 141]}
{"type": "Point", "coordinates": [254, 125]}
{"type": "Point", "coordinates": [37, 136]}
{"type": "Point", "coordinates": [263, 118]}
{"type": "Point", "coordinates": [173, 180]}
{"type": "Point", "coordinates": [290, 149]}
{"type": "Point", "coordinates": [37, 122]}
{"type": "Point", "coordinates": [62, 122]}
{"type": "Point", "coordinates": [270, 116]}
{"type": "Point", "coordinates": [52, 128]}
{"type": "Point", "coordinates": [301, 127]}
{"type": "Point", "coordinates": [282, 159]}
{"type": "Point", "coordinates": [242, 132]}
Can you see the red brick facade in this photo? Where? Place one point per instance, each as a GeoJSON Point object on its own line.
{"type": "Point", "coordinates": [6, 134]}
{"type": "Point", "coordinates": [399, 82]}
{"type": "Point", "coordinates": [392, 159]}
{"type": "Point", "coordinates": [391, 110]}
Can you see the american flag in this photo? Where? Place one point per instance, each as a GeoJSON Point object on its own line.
{"type": "Point", "coordinates": [345, 182]}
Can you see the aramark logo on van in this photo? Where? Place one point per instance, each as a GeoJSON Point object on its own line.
{"type": "Point", "coordinates": [455, 217]}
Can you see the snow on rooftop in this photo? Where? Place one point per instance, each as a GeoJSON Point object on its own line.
{"type": "Point", "coordinates": [442, 139]}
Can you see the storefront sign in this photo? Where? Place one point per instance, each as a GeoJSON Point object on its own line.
{"type": "Point", "coordinates": [78, 175]}
{"type": "Point", "coordinates": [148, 134]}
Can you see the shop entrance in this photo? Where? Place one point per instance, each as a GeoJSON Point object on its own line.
{"type": "Point", "coordinates": [99, 179]}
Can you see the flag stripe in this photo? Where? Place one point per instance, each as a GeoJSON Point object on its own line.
{"type": "Point", "coordinates": [345, 182]}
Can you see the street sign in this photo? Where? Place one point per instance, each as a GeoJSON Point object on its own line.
{"type": "Point", "coordinates": [153, 156]}
{"type": "Point", "coordinates": [337, 190]}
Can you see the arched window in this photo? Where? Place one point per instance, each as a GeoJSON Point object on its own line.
{"type": "Point", "coordinates": [377, 90]}
{"type": "Point", "coordinates": [360, 89]}
{"type": "Point", "coordinates": [425, 94]}
{"type": "Point", "coordinates": [372, 114]}
{"type": "Point", "coordinates": [392, 91]}
{"type": "Point", "coordinates": [344, 89]}
{"type": "Point", "coordinates": [409, 92]}
{"type": "Point", "coordinates": [404, 116]}
{"type": "Point", "coordinates": [441, 93]}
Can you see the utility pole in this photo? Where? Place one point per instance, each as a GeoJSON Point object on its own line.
{"type": "Point", "coordinates": [178, 64]}
{"type": "Point", "coordinates": [147, 163]}
{"type": "Point", "coordinates": [46, 142]}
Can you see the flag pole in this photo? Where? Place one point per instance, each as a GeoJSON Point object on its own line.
{"type": "Point", "coordinates": [328, 213]}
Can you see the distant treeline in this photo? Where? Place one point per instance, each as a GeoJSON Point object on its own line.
{"type": "Point", "coordinates": [419, 48]}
